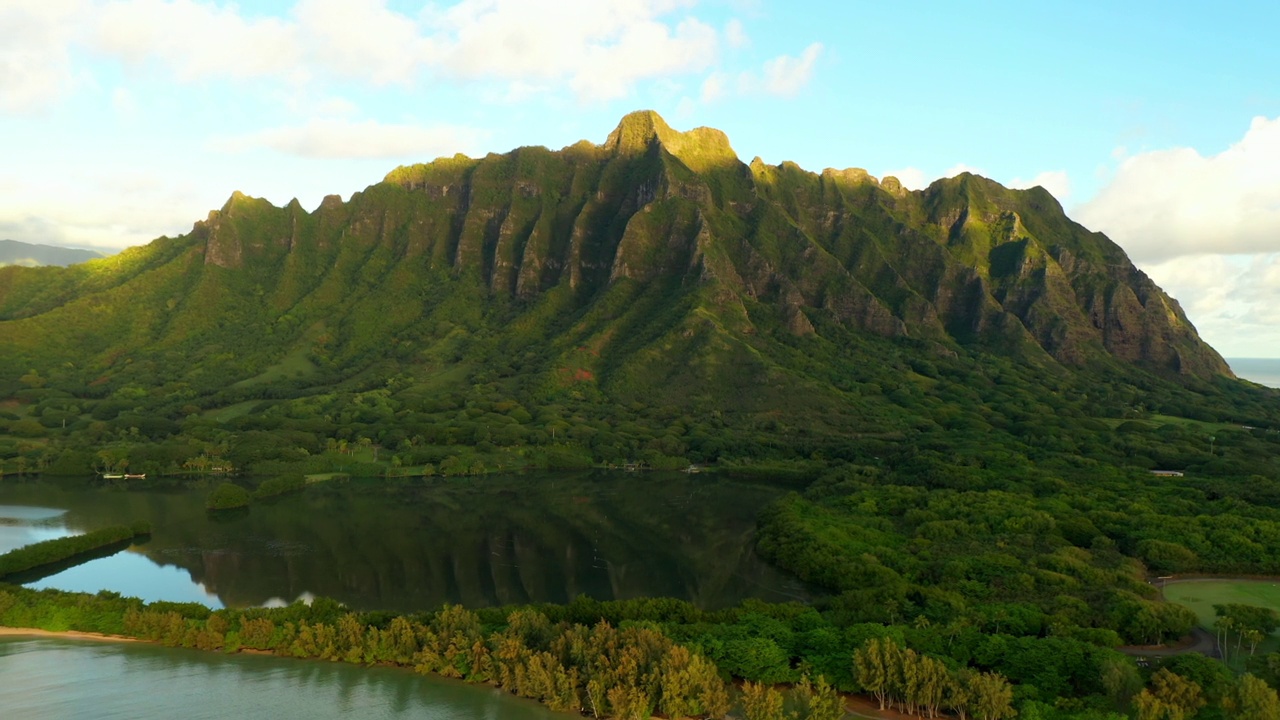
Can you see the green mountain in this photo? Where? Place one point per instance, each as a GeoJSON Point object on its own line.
{"type": "Point", "coordinates": [652, 294]}
{"type": "Point", "coordinates": [967, 390]}
{"type": "Point", "coordinates": [13, 252]}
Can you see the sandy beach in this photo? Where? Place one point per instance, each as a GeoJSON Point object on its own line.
{"type": "Point", "coordinates": [73, 634]}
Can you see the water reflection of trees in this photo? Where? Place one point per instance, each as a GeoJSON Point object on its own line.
{"type": "Point", "coordinates": [407, 545]}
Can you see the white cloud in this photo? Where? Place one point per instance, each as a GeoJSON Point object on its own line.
{"type": "Point", "coordinates": [958, 168]}
{"type": "Point", "coordinates": [99, 220]}
{"type": "Point", "coordinates": [124, 104]}
{"type": "Point", "coordinates": [735, 34]}
{"type": "Point", "coordinates": [599, 48]}
{"type": "Point", "coordinates": [1055, 181]}
{"type": "Point", "coordinates": [911, 178]}
{"type": "Point", "coordinates": [196, 40]}
{"type": "Point", "coordinates": [361, 39]}
{"type": "Point", "coordinates": [334, 138]}
{"type": "Point", "coordinates": [786, 75]}
{"type": "Point", "coordinates": [30, 229]}
{"type": "Point", "coordinates": [1233, 300]}
{"type": "Point", "coordinates": [596, 50]}
{"type": "Point", "coordinates": [35, 65]}
{"type": "Point", "coordinates": [1200, 282]}
{"type": "Point", "coordinates": [714, 88]}
{"type": "Point", "coordinates": [645, 51]}
{"type": "Point", "coordinates": [1169, 203]}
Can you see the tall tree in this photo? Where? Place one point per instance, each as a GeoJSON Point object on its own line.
{"type": "Point", "coordinates": [1170, 697]}
{"type": "Point", "coordinates": [761, 702]}
{"type": "Point", "coordinates": [1252, 699]}
{"type": "Point", "coordinates": [818, 701]}
{"type": "Point", "coordinates": [992, 697]}
{"type": "Point", "coordinates": [875, 666]}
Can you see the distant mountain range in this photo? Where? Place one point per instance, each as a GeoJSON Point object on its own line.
{"type": "Point", "coordinates": [13, 252]}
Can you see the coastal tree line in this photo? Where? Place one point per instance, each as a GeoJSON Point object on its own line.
{"type": "Point", "coordinates": [635, 659]}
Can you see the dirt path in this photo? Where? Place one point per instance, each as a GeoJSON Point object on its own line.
{"type": "Point", "coordinates": [865, 707]}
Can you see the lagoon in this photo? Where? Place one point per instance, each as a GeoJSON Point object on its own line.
{"type": "Point", "coordinates": [409, 545]}
{"type": "Point", "coordinates": [72, 679]}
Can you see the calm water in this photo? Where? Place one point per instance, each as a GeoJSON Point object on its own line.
{"type": "Point", "coordinates": [415, 545]}
{"type": "Point", "coordinates": [393, 545]}
{"type": "Point", "coordinates": [1264, 371]}
{"type": "Point", "coordinates": [65, 680]}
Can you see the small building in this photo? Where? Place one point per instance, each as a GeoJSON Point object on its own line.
{"type": "Point", "coordinates": [1167, 473]}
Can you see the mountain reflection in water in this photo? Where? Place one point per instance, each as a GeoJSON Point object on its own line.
{"type": "Point", "coordinates": [409, 545]}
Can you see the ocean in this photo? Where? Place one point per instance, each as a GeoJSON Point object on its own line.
{"type": "Point", "coordinates": [1264, 371]}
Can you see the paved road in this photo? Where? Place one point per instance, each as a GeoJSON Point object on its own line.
{"type": "Point", "coordinates": [1201, 641]}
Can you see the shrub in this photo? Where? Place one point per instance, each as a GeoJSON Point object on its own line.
{"type": "Point", "coordinates": [227, 496]}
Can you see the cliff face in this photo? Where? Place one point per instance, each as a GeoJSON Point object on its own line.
{"type": "Point", "coordinates": [667, 228]}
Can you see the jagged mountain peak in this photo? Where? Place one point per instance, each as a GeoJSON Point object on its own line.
{"type": "Point", "coordinates": [963, 262]}
{"type": "Point", "coordinates": [700, 148]}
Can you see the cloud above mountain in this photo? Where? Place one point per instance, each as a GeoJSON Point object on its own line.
{"type": "Point", "coordinates": [340, 138]}
{"type": "Point", "coordinates": [596, 50]}
{"type": "Point", "coordinates": [1175, 202]}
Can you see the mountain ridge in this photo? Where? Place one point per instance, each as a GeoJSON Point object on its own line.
{"type": "Point", "coordinates": [13, 252]}
{"type": "Point", "coordinates": [655, 269]}
{"type": "Point", "coordinates": [1070, 296]}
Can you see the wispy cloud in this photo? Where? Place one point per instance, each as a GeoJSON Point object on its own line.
{"type": "Point", "coordinates": [594, 49]}
{"type": "Point", "coordinates": [196, 41]}
{"type": "Point", "coordinates": [786, 75]}
{"type": "Point", "coordinates": [1234, 299]}
{"type": "Point", "coordinates": [338, 138]}
{"type": "Point", "coordinates": [1055, 181]}
{"type": "Point", "coordinates": [599, 49]}
{"type": "Point", "coordinates": [781, 76]}
{"type": "Point", "coordinates": [35, 62]}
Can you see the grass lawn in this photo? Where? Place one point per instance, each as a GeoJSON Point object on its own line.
{"type": "Point", "coordinates": [323, 477]}
{"type": "Point", "coordinates": [1209, 427]}
{"type": "Point", "coordinates": [296, 364]}
{"type": "Point", "coordinates": [1202, 595]}
{"type": "Point", "coordinates": [231, 412]}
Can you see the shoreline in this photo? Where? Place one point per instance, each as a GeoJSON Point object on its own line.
{"type": "Point", "coordinates": [103, 637]}
{"type": "Point", "coordinates": [856, 706]}
{"type": "Point", "coordinates": [73, 634]}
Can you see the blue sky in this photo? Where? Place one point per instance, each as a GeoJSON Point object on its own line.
{"type": "Point", "coordinates": [1158, 123]}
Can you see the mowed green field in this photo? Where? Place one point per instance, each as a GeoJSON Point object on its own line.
{"type": "Point", "coordinates": [1202, 595]}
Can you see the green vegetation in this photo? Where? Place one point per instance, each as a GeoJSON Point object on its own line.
{"type": "Point", "coordinates": [967, 390]}
{"type": "Point", "coordinates": [279, 486]}
{"type": "Point", "coordinates": [228, 496]}
{"type": "Point", "coordinates": [1203, 596]}
{"type": "Point", "coordinates": [1030, 549]}
{"type": "Point", "coordinates": [1243, 616]}
{"type": "Point", "coordinates": [59, 550]}
{"type": "Point", "coordinates": [650, 301]}
{"type": "Point", "coordinates": [630, 659]}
